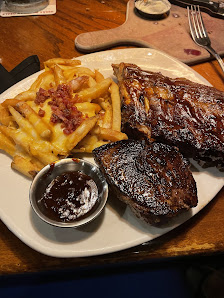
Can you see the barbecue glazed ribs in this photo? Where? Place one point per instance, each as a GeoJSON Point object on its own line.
{"type": "Point", "coordinates": [174, 111]}
{"type": "Point", "coordinates": [152, 178]}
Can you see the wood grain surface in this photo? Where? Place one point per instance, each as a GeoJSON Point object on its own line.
{"type": "Point", "coordinates": [53, 36]}
{"type": "Point", "coordinates": [170, 35]}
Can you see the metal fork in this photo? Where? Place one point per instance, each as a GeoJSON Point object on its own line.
{"type": "Point", "coordinates": [199, 33]}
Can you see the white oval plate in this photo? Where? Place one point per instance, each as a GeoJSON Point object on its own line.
{"type": "Point", "coordinates": [117, 228]}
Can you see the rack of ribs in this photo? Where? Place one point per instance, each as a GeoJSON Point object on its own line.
{"type": "Point", "coordinates": [176, 111]}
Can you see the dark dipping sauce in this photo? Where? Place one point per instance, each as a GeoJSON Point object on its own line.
{"type": "Point", "coordinates": [71, 196]}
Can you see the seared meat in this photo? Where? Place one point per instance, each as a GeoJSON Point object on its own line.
{"type": "Point", "coordinates": [153, 179]}
{"type": "Point", "coordinates": [175, 111]}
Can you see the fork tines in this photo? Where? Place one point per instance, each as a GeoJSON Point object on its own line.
{"type": "Point", "coordinates": [199, 33]}
{"type": "Point", "coordinates": [196, 23]}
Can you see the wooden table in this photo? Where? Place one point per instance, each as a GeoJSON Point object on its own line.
{"type": "Point", "coordinates": [53, 36]}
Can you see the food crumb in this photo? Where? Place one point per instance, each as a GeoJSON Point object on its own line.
{"type": "Point", "coordinates": [175, 15]}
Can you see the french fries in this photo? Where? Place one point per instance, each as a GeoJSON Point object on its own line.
{"type": "Point", "coordinates": [5, 116]}
{"type": "Point", "coordinates": [58, 75]}
{"type": "Point", "coordinates": [25, 166]}
{"type": "Point", "coordinates": [116, 106]}
{"type": "Point", "coordinates": [60, 61]}
{"type": "Point", "coordinates": [26, 95]}
{"type": "Point", "coordinates": [67, 109]}
{"type": "Point", "coordinates": [96, 91]}
{"type": "Point", "coordinates": [81, 132]}
{"type": "Point", "coordinates": [98, 76]}
{"type": "Point", "coordinates": [7, 144]}
{"type": "Point", "coordinates": [41, 128]}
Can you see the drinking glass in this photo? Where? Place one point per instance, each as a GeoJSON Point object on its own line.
{"type": "Point", "coordinates": [26, 6]}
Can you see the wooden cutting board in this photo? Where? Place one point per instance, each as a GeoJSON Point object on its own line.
{"type": "Point", "coordinates": [170, 35]}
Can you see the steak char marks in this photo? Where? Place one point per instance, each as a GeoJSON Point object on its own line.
{"type": "Point", "coordinates": [153, 179]}
{"type": "Point", "coordinates": [177, 111]}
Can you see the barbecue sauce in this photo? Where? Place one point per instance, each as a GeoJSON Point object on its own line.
{"type": "Point", "coordinates": [192, 52]}
{"type": "Point", "coordinates": [71, 196]}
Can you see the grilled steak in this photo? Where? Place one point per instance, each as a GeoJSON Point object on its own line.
{"type": "Point", "coordinates": [153, 179]}
{"type": "Point", "coordinates": [177, 111]}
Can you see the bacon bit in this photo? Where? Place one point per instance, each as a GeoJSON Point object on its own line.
{"type": "Point", "coordinates": [41, 112]}
{"type": "Point", "coordinates": [42, 96]}
{"type": "Point", "coordinates": [62, 106]}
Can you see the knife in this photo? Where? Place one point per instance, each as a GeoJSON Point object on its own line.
{"type": "Point", "coordinates": [215, 9]}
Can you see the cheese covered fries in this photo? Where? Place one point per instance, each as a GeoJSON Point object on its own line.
{"type": "Point", "coordinates": [69, 108]}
